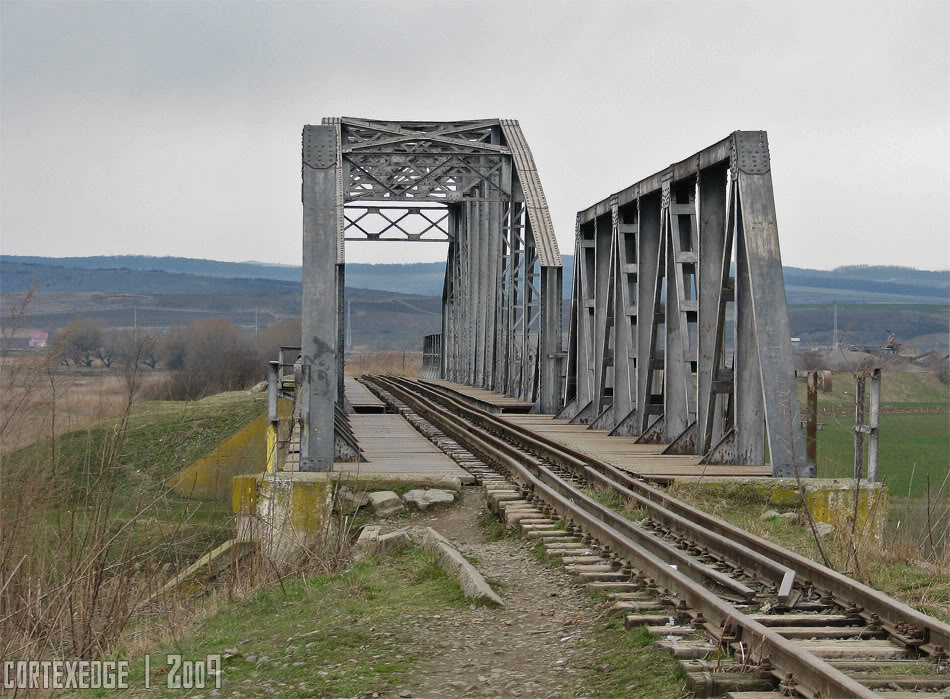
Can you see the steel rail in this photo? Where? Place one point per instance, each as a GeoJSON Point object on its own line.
{"type": "Point", "coordinates": [816, 678]}
{"type": "Point", "coordinates": [890, 611]}
{"type": "Point", "coordinates": [700, 571]}
{"type": "Point", "coordinates": [782, 576]}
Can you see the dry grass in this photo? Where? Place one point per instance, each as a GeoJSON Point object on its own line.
{"type": "Point", "coordinates": [390, 362]}
{"type": "Point", "coordinates": [40, 391]}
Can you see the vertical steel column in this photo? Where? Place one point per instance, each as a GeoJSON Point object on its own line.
{"type": "Point", "coordinates": [585, 270]}
{"type": "Point", "coordinates": [676, 378]}
{"type": "Point", "coordinates": [493, 260]}
{"type": "Point", "coordinates": [572, 374]}
{"type": "Point", "coordinates": [529, 318]}
{"type": "Point", "coordinates": [651, 310]}
{"type": "Point", "coordinates": [503, 271]}
{"type": "Point", "coordinates": [713, 186]}
{"type": "Point", "coordinates": [319, 296]}
{"type": "Point", "coordinates": [604, 240]}
{"type": "Point", "coordinates": [515, 293]}
{"type": "Point", "coordinates": [478, 245]}
{"type": "Point", "coordinates": [552, 279]}
{"type": "Point", "coordinates": [447, 311]}
{"type": "Point", "coordinates": [750, 411]}
{"type": "Point", "coordinates": [763, 260]}
{"type": "Point", "coordinates": [626, 325]}
{"type": "Point", "coordinates": [465, 334]}
{"type": "Point", "coordinates": [340, 334]}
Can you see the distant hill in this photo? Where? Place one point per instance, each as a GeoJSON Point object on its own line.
{"type": "Point", "coordinates": [851, 284]}
{"type": "Point", "coordinates": [159, 299]}
{"type": "Point", "coordinates": [395, 305]}
{"type": "Point", "coordinates": [187, 265]}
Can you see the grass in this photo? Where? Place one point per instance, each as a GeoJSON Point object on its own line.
{"type": "Point", "coordinates": [326, 635]}
{"type": "Point", "coordinates": [162, 438]}
{"type": "Point", "coordinates": [898, 389]}
{"type": "Point", "coordinates": [911, 444]}
{"type": "Point", "coordinates": [615, 501]}
{"type": "Point", "coordinates": [494, 528]}
{"type": "Point", "coordinates": [914, 429]}
{"type": "Point", "coordinates": [630, 665]}
{"type": "Point", "coordinates": [81, 399]}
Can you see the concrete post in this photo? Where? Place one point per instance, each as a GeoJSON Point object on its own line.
{"type": "Point", "coordinates": [859, 426]}
{"type": "Point", "coordinates": [811, 440]}
{"type": "Point", "coordinates": [874, 424]}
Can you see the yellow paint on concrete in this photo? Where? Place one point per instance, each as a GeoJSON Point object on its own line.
{"type": "Point", "coordinates": [245, 451]}
{"type": "Point", "coordinates": [282, 510]}
{"type": "Point", "coordinates": [271, 448]}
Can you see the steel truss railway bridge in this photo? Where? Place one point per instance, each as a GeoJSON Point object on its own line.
{"type": "Point", "coordinates": [678, 324]}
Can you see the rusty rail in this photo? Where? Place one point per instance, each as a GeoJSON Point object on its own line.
{"type": "Point", "coordinates": [816, 677]}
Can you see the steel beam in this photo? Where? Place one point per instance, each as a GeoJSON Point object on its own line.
{"type": "Point", "coordinates": [319, 336]}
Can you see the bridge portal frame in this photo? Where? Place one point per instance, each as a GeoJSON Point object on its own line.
{"type": "Point", "coordinates": [472, 184]}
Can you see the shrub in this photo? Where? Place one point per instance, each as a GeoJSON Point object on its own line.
{"type": "Point", "coordinates": [209, 357]}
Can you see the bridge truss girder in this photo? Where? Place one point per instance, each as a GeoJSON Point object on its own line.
{"type": "Point", "coordinates": [654, 294]}
{"type": "Point", "coordinates": [471, 184]}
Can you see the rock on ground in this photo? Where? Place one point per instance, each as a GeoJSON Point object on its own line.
{"type": "Point", "coordinates": [389, 543]}
{"type": "Point", "coordinates": [349, 501]}
{"type": "Point", "coordinates": [473, 584]}
{"type": "Point", "coordinates": [385, 503]}
{"type": "Point", "coordinates": [424, 498]}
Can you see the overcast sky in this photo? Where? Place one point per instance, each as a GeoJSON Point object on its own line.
{"type": "Point", "coordinates": [174, 128]}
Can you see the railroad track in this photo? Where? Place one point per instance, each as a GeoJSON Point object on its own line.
{"type": "Point", "coordinates": [777, 623]}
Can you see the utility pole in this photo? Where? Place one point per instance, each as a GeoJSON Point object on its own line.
{"type": "Point", "coordinates": [349, 328]}
{"type": "Point", "coordinates": [834, 337]}
{"type": "Point", "coordinates": [135, 317]}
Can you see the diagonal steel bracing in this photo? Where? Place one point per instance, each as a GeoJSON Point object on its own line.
{"type": "Point", "coordinates": [471, 184]}
{"type": "Point", "coordinates": [679, 329]}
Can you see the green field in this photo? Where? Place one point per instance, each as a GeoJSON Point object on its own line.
{"type": "Point", "coordinates": [911, 443]}
{"type": "Point", "coordinates": [914, 431]}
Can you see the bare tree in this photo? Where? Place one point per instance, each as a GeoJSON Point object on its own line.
{"type": "Point", "coordinates": [82, 339]}
{"type": "Point", "coordinates": [109, 346]}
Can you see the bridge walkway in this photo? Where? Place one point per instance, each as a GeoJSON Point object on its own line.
{"type": "Point", "coordinates": [390, 444]}
{"type": "Point", "coordinates": [642, 459]}
{"type": "Point", "coordinates": [481, 398]}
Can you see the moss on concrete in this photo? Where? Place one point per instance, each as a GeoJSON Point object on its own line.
{"type": "Point", "coordinates": [829, 500]}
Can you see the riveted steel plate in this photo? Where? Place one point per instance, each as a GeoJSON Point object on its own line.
{"type": "Point", "coordinates": [319, 146]}
{"type": "Point", "coordinates": [752, 151]}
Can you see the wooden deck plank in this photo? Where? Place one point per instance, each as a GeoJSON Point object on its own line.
{"type": "Point", "coordinates": [359, 396]}
{"type": "Point", "coordinates": [641, 459]}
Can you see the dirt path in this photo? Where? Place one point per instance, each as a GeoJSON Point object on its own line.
{"type": "Point", "coordinates": [529, 648]}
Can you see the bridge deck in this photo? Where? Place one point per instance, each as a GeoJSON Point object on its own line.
{"type": "Point", "coordinates": [484, 399]}
{"type": "Point", "coordinates": [392, 445]}
{"type": "Point", "coordinates": [360, 397]}
{"type": "Point", "coordinates": [642, 459]}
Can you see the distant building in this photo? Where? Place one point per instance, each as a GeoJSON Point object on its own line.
{"type": "Point", "coordinates": [39, 339]}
